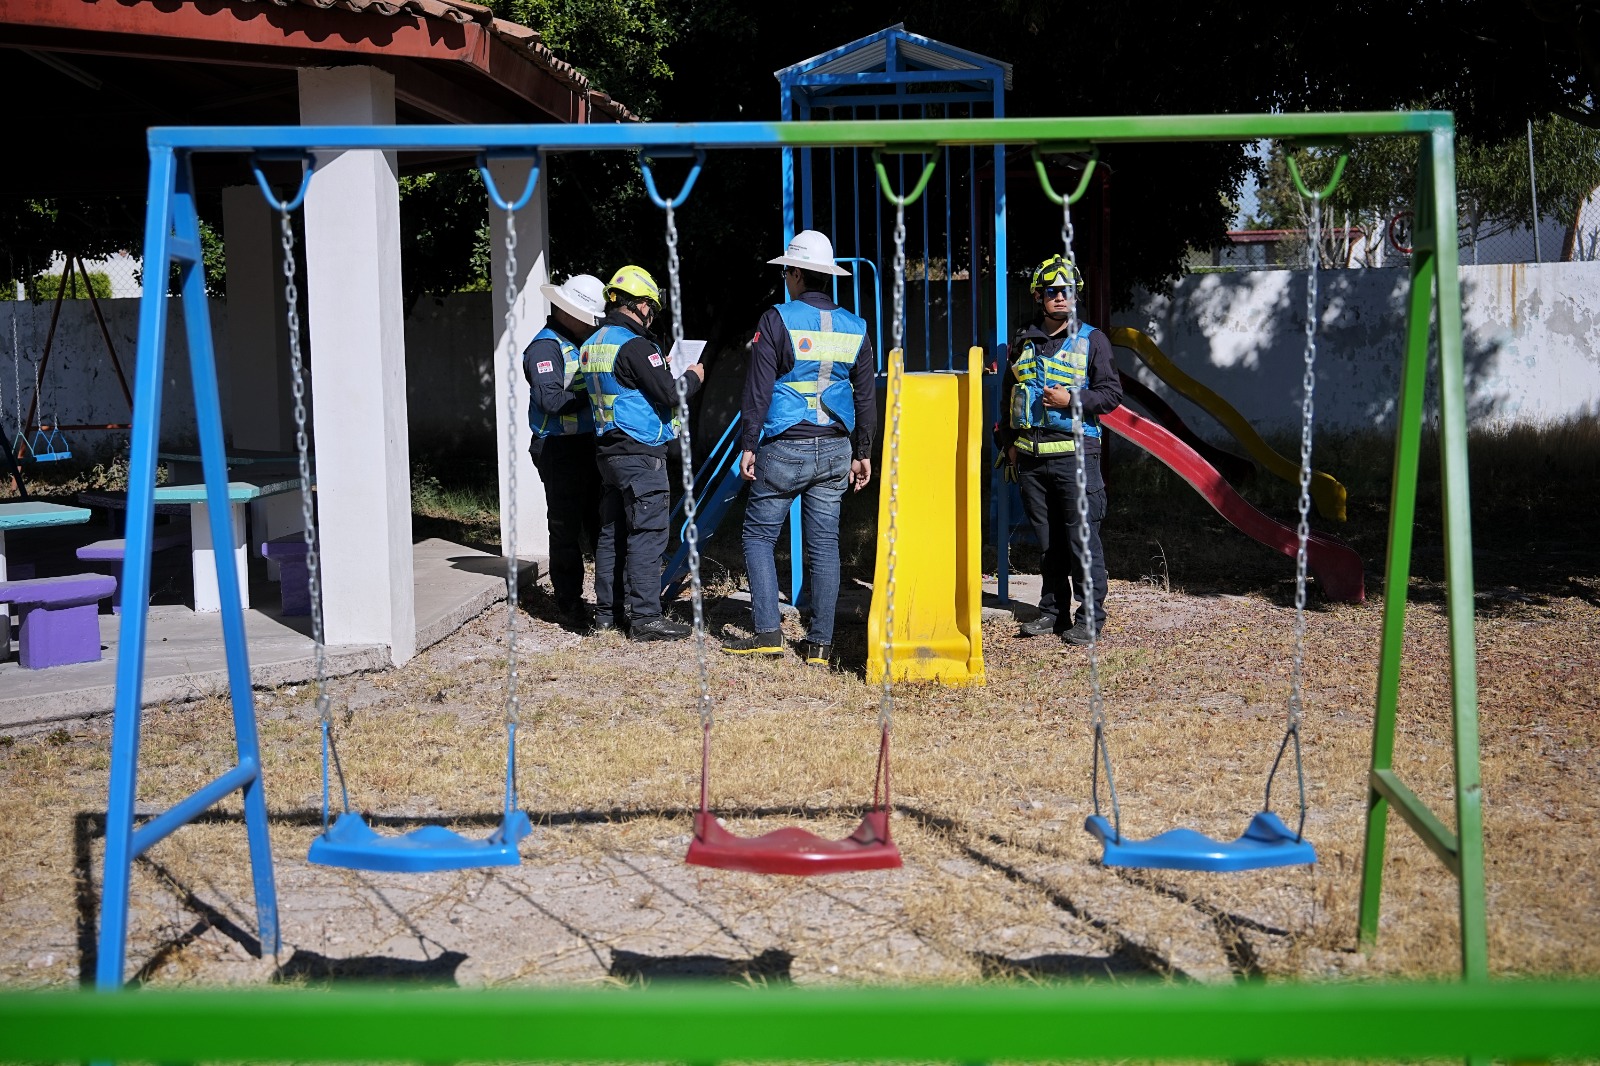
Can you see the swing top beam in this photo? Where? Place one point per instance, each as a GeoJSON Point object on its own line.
{"type": "Point", "coordinates": [865, 134]}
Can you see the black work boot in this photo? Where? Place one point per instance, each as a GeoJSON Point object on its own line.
{"type": "Point", "coordinates": [761, 644]}
{"type": "Point", "coordinates": [575, 616]}
{"type": "Point", "coordinates": [1079, 633]}
{"type": "Point", "coordinates": [658, 628]}
{"type": "Point", "coordinates": [818, 655]}
{"type": "Point", "coordinates": [1038, 627]}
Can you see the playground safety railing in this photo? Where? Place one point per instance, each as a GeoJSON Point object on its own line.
{"type": "Point", "coordinates": [716, 486]}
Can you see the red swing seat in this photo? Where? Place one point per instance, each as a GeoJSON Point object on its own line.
{"type": "Point", "coordinates": [792, 850]}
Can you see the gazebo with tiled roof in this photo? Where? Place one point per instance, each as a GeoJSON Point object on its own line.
{"type": "Point", "coordinates": [86, 78]}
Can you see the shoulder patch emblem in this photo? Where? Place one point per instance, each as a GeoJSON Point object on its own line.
{"type": "Point", "coordinates": [655, 358]}
{"type": "Point", "coordinates": [545, 366]}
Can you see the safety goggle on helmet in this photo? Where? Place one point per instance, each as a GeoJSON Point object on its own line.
{"type": "Point", "coordinates": [1055, 271]}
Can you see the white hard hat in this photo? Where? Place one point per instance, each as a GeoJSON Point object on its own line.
{"type": "Point", "coordinates": [810, 250]}
{"type": "Point", "coordinates": [582, 296]}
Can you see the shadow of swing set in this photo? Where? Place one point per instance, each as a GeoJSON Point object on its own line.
{"type": "Point", "coordinates": [172, 236]}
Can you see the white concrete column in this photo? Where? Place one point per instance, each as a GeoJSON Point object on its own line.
{"type": "Point", "coordinates": [358, 365]}
{"type": "Point", "coordinates": [259, 400]}
{"type": "Point", "coordinates": [533, 270]}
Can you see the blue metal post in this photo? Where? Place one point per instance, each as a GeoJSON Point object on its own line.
{"type": "Point", "coordinates": [806, 178]}
{"type": "Point", "coordinates": [972, 250]}
{"type": "Point", "coordinates": [949, 271]}
{"type": "Point", "coordinates": [1002, 342]}
{"type": "Point", "coordinates": [855, 215]}
{"type": "Point", "coordinates": [796, 545]}
{"type": "Point", "coordinates": [143, 440]}
{"type": "Point", "coordinates": [213, 461]}
{"type": "Point", "coordinates": [172, 232]}
{"type": "Point", "coordinates": [787, 175]}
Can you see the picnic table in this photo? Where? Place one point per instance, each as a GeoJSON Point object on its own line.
{"type": "Point", "coordinates": [273, 511]}
{"type": "Point", "coordinates": [29, 514]}
{"type": "Point", "coordinates": [184, 468]}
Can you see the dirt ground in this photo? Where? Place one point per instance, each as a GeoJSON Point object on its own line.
{"type": "Point", "coordinates": [999, 883]}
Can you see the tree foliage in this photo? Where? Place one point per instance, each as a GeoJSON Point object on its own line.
{"type": "Point", "coordinates": [1494, 193]}
{"type": "Point", "coordinates": [619, 44]}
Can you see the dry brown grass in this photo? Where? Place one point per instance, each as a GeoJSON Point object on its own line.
{"type": "Point", "coordinates": [999, 883]}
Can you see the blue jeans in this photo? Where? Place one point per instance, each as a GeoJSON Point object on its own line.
{"type": "Point", "coordinates": [818, 471]}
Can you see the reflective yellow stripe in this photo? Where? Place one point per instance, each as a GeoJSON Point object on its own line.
{"type": "Point", "coordinates": [600, 358]}
{"type": "Point", "coordinates": [825, 345]}
{"type": "Point", "coordinates": [1049, 447]}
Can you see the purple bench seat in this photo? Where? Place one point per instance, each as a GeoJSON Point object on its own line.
{"type": "Point", "coordinates": [112, 553]}
{"type": "Point", "coordinates": [60, 617]}
{"type": "Point", "coordinates": [294, 575]}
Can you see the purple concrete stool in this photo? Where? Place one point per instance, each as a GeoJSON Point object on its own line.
{"type": "Point", "coordinates": [60, 617]}
{"type": "Point", "coordinates": [111, 554]}
{"type": "Point", "coordinates": [294, 576]}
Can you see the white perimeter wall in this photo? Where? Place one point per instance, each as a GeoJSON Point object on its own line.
{"type": "Point", "coordinates": [1531, 344]}
{"type": "Point", "coordinates": [1532, 341]}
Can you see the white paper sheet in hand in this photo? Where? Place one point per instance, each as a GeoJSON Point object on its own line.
{"type": "Point", "coordinates": [684, 354]}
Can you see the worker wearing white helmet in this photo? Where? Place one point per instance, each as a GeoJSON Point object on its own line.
{"type": "Point", "coordinates": [563, 437]}
{"type": "Point", "coordinates": [809, 414]}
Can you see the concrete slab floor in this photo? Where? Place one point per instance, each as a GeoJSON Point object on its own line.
{"type": "Point", "coordinates": [185, 658]}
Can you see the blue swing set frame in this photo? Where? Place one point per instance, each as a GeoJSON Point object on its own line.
{"type": "Point", "coordinates": [172, 236]}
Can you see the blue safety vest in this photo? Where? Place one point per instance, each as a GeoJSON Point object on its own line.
{"type": "Point", "coordinates": [1068, 365]}
{"type": "Point", "coordinates": [614, 405]}
{"type": "Point", "coordinates": [542, 422]}
{"type": "Point", "coordinates": [817, 388]}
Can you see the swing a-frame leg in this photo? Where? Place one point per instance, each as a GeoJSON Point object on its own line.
{"type": "Point", "coordinates": [1435, 287]}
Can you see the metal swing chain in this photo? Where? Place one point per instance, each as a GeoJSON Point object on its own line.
{"type": "Point", "coordinates": [892, 475]}
{"type": "Point", "coordinates": [291, 298]}
{"type": "Point", "coordinates": [513, 704]}
{"type": "Point", "coordinates": [691, 531]}
{"type": "Point", "coordinates": [1303, 530]}
{"type": "Point", "coordinates": [1097, 706]}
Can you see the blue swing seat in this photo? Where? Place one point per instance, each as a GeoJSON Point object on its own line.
{"type": "Point", "coordinates": [1266, 843]}
{"type": "Point", "coordinates": [48, 448]}
{"type": "Point", "coordinates": [353, 844]}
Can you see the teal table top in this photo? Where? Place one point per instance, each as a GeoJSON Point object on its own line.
{"type": "Point", "coordinates": [238, 491]}
{"type": "Point", "coordinates": [30, 514]}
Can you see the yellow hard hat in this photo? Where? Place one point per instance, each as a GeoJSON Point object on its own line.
{"type": "Point", "coordinates": [635, 281]}
{"type": "Point", "coordinates": [1056, 271]}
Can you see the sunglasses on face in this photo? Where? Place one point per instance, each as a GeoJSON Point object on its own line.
{"type": "Point", "coordinates": [1052, 291]}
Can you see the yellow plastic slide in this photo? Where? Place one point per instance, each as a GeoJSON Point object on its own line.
{"type": "Point", "coordinates": [938, 601]}
{"type": "Point", "coordinates": [1326, 493]}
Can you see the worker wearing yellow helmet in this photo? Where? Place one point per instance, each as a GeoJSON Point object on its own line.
{"type": "Point", "coordinates": [634, 398]}
{"type": "Point", "coordinates": [1051, 358]}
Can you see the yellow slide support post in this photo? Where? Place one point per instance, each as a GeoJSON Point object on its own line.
{"type": "Point", "coordinates": [1326, 492]}
{"type": "Point", "coordinates": [938, 602]}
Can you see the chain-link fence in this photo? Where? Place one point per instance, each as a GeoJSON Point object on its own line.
{"type": "Point", "coordinates": [115, 277]}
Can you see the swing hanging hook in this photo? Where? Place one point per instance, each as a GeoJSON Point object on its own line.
{"type": "Point", "coordinates": [306, 160]}
{"type": "Point", "coordinates": [929, 150]}
{"type": "Point", "coordinates": [1041, 150]}
{"type": "Point", "coordinates": [647, 159]}
{"type": "Point", "coordinates": [484, 158]}
{"type": "Point", "coordinates": [1338, 167]}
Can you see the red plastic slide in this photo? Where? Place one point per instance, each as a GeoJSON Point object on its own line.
{"type": "Point", "coordinates": [1335, 564]}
